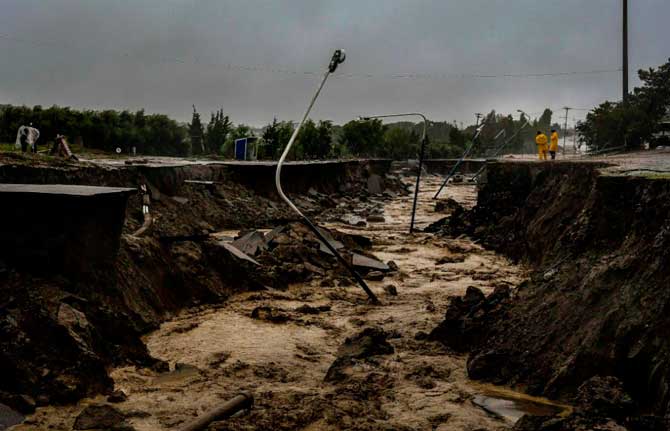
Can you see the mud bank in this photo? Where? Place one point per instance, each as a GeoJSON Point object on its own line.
{"type": "Point", "coordinates": [60, 332]}
{"type": "Point", "coordinates": [597, 302]}
{"type": "Point", "coordinates": [318, 356]}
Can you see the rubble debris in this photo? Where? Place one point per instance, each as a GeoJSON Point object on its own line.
{"type": "Point", "coordinates": [100, 416]}
{"type": "Point", "coordinates": [448, 206]}
{"type": "Point", "coordinates": [375, 184]}
{"type": "Point", "coordinates": [601, 403]}
{"type": "Point", "coordinates": [605, 396]}
{"type": "Point", "coordinates": [269, 314]}
{"type": "Point", "coordinates": [237, 253]}
{"type": "Point", "coordinates": [117, 396]}
{"type": "Point", "coordinates": [467, 317]}
{"type": "Point", "coordinates": [9, 417]}
{"type": "Point", "coordinates": [391, 290]}
{"type": "Point", "coordinates": [22, 403]}
{"type": "Point", "coordinates": [360, 261]}
{"type": "Point", "coordinates": [308, 309]}
{"type": "Point", "coordinates": [375, 218]}
{"type": "Point", "coordinates": [251, 243]}
{"type": "Point", "coordinates": [369, 342]}
{"type": "Point", "coordinates": [375, 276]}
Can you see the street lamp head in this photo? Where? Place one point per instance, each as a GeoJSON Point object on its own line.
{"type": "Point", "coordinates": [338, 58]}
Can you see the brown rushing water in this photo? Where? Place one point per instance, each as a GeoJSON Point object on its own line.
{"type": "Point", "coordinates": [225, 351]}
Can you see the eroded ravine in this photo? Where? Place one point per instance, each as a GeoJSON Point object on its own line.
{"type": "Point", "coordinates": [219, 351]}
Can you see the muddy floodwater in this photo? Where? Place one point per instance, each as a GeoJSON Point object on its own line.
{"type": "Point", "coordinates": [215, 352]}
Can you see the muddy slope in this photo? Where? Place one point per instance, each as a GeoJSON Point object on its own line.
{"type": "Point", "coordinates": [598, 302]}
{"type": "Point", "coordinates": [59, 333]}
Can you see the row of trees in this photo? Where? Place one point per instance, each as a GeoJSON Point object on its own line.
{"type": "Point", "coordinates": [103, 130]}
{"type": "Point", "coordinates": [158, 134]}
{"type": "Point", "coordinates": [632, 122]}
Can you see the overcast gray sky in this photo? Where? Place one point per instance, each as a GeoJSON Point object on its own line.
{"type": "Point", "coordinates": [165, 55]}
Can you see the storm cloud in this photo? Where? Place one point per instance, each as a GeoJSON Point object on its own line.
{"type": "Point", "coordinates": [259, 59]}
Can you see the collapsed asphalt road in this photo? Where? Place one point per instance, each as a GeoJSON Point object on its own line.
{"type": "Point", "coordinates": [331, 361]}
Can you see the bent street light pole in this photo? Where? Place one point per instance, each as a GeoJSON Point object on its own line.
{"type": "Point", "coordinates": [458, 163]}
{"type": "Point", "coordinates": [422, 152]}
{"type": "Point", "coordinates": [338, 57]}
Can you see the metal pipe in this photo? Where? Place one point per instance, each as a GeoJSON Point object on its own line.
{"type": "Point", "coordinates": [422, 152]}
{"type": "Point", "coordinates": [338, 57]}
{"type": "Point", "coordinates": [241, 402]}
{"type": "Point", "coordinates": [458, 163]}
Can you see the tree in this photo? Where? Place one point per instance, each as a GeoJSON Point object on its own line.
{"type": "Point", "coordinates": [196, 132]}
{"type": "Point", "coordinates": [275, 138]}
{"type": "Point", "coordinates": [217, 132]}
{"type": "Point", "coordinates": [314, 141]}
{"type": "Point", "coordinates": [399, 143]}
{"type": "Point", "coordinates": [363, 138]}
{"type": "Point", "coordinates": [614, 124]}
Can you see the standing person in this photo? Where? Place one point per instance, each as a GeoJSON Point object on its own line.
{"type": "Point", "coordinates": [541, 141]}
{"type": "Point", "coordinates": [27, 136]}
{"type": "Point", "coordinates": [553, 147]}
{"type": "Point", "coordinates": [23, 139]}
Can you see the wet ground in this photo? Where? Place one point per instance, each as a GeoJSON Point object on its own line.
{"type": "Point", "coordinates": [217, 352]}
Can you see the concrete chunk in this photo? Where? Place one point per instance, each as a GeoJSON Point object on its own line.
{"type": "Point", "coordinates": [251, 243]}
{"type": "Point", "coordinates": [367, 262]}
{"type": "Point", "coordinates": [237, 253]}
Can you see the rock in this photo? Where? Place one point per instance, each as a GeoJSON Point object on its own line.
{"type": "Point", "coordinates": [374, 184]}
{"type": "Point", "coordinates": [313, 268]}
{"type": "Point", "coordinates": [160, 366]}
{"type": "Point", "coordinates": [22, 403]}
{"type": "Point", "coordinates": [375, 276]}
{"type": "Point", "coordinates": [457, 258]}
{"type": "Point", "coordinates": [392, 265]}
{"type": "Point", "coordinates": [117, 397]}
{"type": "Point", "coordinates": [473, 296]}
{"type": "Point", "coordinates": [269, 314]}
{"type": "Point", "coordinates": [9, 416]}
{"type": "Point", "coordinates": [468, 319]}
{"type": "Point", "coordinates": [369, 342]}
{"type": "Point", "coordinates": [99, 416]}
{"type": "Point", "coordinates": [375, 218]}
{"type": "Point", "coordinates": [605, 396]}
{"type": "Point", "coordinates": [391, 290]}
{"type": "Point", "coordinates": [308, 309]}
{"type": "Point", "coordinates": [447, 206]}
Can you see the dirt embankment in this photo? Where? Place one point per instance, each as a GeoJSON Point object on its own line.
{"type": "Point", "coordinates": [60, 333]}
{"type": "Point", "coordinates": [598, 301]}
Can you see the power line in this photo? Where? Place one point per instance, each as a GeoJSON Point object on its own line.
{"type": "Point", "coordinates": [280, 70]}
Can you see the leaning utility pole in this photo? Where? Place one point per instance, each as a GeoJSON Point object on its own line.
{"type": "Point", "coordinates": [624, 67]}
{"type": "Point", "coordinates": [565, 129]}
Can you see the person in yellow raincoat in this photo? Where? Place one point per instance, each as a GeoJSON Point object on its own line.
{"type": "Point", "coordinates": [553, 146]}
{"type": "Point", "coordinates": [541, 141]}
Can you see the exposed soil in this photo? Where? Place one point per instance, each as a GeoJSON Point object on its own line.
{"type": "Point", "coordinates": [60, 332]}
{"type": "Point", "coordinates": [318, 356]}
{"type": "Point", "coordinates": [597, 300]}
